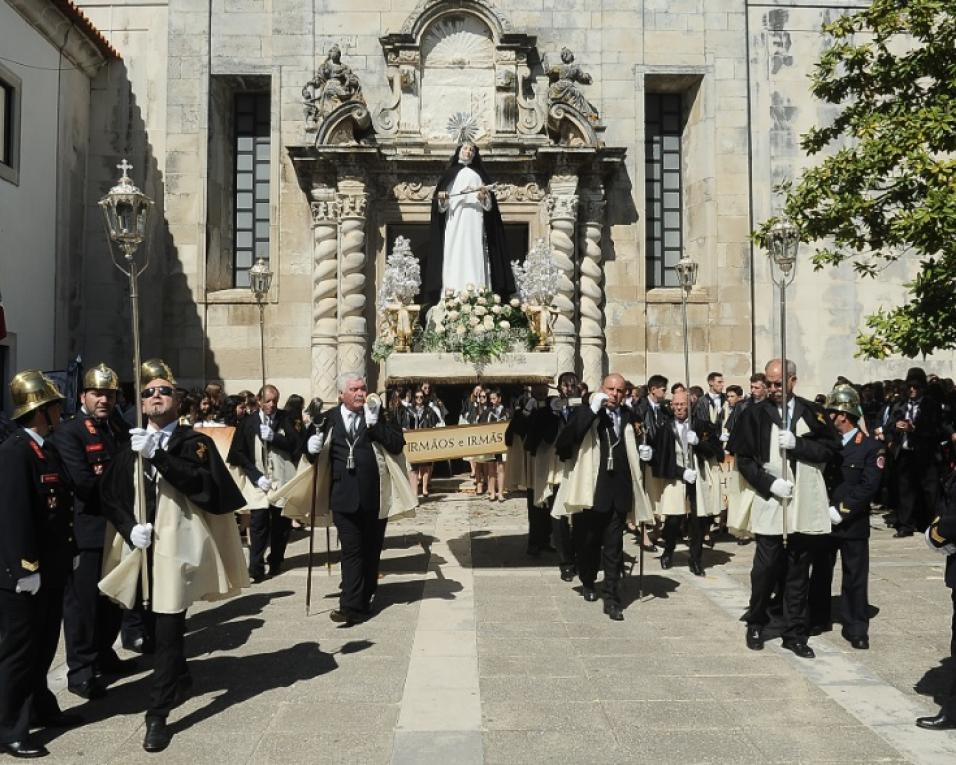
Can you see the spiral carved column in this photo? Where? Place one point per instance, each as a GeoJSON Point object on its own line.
{"type": "Point", "coordinates": [562, 203]}
{"type": "Point", "coordinates": [591, 288]}
{"type": "Point", "coordinates": [325, 283]}
{"type": "Point", "coordinates": [352, 326]}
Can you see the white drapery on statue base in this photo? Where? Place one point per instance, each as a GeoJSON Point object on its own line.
{"type": "Point", "coordinates": [466, 250]}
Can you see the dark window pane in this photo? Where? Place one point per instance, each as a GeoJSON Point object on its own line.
{"type": "Point", "coordinates": [663, 245]}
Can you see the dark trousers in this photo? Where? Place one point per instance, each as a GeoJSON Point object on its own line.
{"type": "Point", "coordinates": [599, 540]}
{"type": "Point", "coordinates": [917, 484]}
{"type": "Point", "coordinates": [267, 530]}
{"type": "Point", "coordinates": [561, 533]}
{"type": "Point", "coordinates": [170, 667]}
{"type": "Point", "coordinates": [769, 557]}
{"type": "Point", "coordinates": [696, 528]}
{"type": "Point", "coordinates": [539, 524]}
{"type": "Point", "coordinates": [137, 623]}
{"type": "Point", "coordinates": [949, 701]}
{"type": "Point", "coordinates": [361, 536]}
{"type": "Point", "coordinates": [90, 621]}
{"type": "Point", "coordinates": [855, 561]}
{"type": "Point", "coordinates": [29, 633]}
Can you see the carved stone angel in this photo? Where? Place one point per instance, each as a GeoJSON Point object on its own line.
{"type": "Point", "coordinates": [333, 85]}
{"type": "Point", "coordinates": [564, 90]}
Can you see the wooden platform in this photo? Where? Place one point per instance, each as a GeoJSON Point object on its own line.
{"type": "Point", "coordinates": [451, 369]}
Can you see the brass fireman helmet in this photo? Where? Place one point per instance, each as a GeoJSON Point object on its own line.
{"type": "Point", "coordinates": [100, 377]}
{"type": "Point", "coordinates": [155, 369]}
{"type": "Point", "coordinates": [31, 389]}
{"type": "Point", "coordinates": [844, 398]}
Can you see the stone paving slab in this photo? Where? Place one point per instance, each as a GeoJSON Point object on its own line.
{"type": "Point", "coordinates": [480, 654]}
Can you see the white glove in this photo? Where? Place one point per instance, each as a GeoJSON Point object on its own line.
{"type": "Point", "coordinates": [781, 488]}
{"type": "Point", "coordinates": [597, 401]}
{"type": "Point", "coordinates": [29, 584]}
{"type": "Point", "coordinates": [265, 432]}
{"type": "Point", "coordinates": [692, 439]}
{"type": "Point", "coordinates": [787, 440]}
{"type": "Point", "coordinates": [264, 483]}
{"type": "Point", "coordinates": [724, 438]}
{"type": "Point", "coordinates": [690, 476]}
{"type": "Point", "coordinates": [144, 441]}
{"type": "Point", "coordinates": [371, 415]}
{"type": "Point", "coordinates": [835, 518]}
{"type": "Point", "coordinates": [142, 535]}
{"type": "Point", "coordinates": [948, 549]}
{"type": "Point", "coordinates": [314, 444]}
{"type": "Point", "coordinates": [646, 453]}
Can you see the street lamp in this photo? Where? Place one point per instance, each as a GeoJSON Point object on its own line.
{"type": "Point", "coordinates": [687, 275]}
{"type": "Point", "coordinates": [782, 243]}
{"type": "Point", "coordinates": [126, 217]}
{"type": "Point", "coordinates": [260, 280]}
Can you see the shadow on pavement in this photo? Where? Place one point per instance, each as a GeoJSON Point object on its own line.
{"type": "Point", "coordinates": [939, 682]}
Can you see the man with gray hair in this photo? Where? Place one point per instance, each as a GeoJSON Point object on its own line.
{"type": "Point", "coordinates": [350, 432]}
{"type": "Point", "coordinates": [760, 437]}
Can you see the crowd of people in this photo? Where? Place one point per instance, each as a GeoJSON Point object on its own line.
{"type": "Point", "coordinates": [113, 530]}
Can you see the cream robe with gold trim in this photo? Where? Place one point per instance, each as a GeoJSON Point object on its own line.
{"type": "Point", "coordinates": [396, 498]}
{"type": "Point", "coordinates": [196, 556]}
{"type": "Point", "coordinates": [579, 476]}
{"type": "Point", "coordinates": [807, 510]}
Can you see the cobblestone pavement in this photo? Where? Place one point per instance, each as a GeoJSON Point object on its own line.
{"type": "Point", "coordinates": [482, 654]}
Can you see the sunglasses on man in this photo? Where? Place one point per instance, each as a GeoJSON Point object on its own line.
{"type": "Point", "coordinates": [161, 390]}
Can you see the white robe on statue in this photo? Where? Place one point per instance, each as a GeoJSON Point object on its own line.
{"type": "Point", "coordinates": [465, 259]}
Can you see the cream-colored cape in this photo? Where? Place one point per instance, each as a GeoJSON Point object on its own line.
{"type": "Point", "coordinates": [669, 497]}
{"type": "Point", "coordinates": [578, 479]}
{"type": "Point", "coordinates": [740, 496]}
{"type": "Point", "coordinates": [196, 556]}
{"type": "Point", "coordinates": [396, 498]}
{"type": "Point", "coordinates": [518, 470]}
{"type": "Point", "coordinates": [807, 510]}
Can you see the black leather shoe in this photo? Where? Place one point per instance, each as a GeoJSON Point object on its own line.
{"type": "Point", "coordinates": [696, 569]}
{"type": "Point", "coordinates": [25, 749]}
{"type": "Point", "coordinates": [860, 642]}
{"type": "Point", "coordinates": [348, 618]}
{"type": "Point", "coordinates": [614, 611]}
{"type": "Point", "coordinates": [754, 637]}
{"type": "Point", "coordinates": [257, 577]}
{"type": "Point", "coordinates": [157, 736]}
{"type": "Point", "coordinates": [589, 594]}
{"type": "Point", "coordinates": [903, 533]}
{"type": "Point", "coordinates": [275, 569]}
{"type": "Point", "coordinates": [936, 722]}
{"type": "Point", "coordinates": [666, 560]}
{"type": "Point", "coordinates": [88, 689]}
{"type": "Point", "coordinates": [567, 574]}
{"type": "Point", "coordinates": [799, 648]}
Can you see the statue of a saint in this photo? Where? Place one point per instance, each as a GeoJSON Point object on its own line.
{"type": "Point", "coordinates": [563, 89]}
{"type": "Point", "coordinates": [467, 235]}
{"type": "Point", "coordinates": [333, 85]}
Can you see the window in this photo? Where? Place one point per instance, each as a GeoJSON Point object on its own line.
{"type": "Point", "coordinates": [9, 125]}
{"type": "Point", "coordinates": [663, 187]}
{"type": "Point", "coordinates": [253, 147]}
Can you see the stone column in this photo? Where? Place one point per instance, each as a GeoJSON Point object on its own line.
{"type": "Point", "coordinates": [353, 331]}
{"type": "Point", "coordinates": [591, 286]}
{"type": "Point", "coordinates": [325, 287]}
{"type": "Point", "coordinates": [562, 204]}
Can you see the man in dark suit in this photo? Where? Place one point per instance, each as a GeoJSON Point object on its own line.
{"type": "Point", "coordinates": [710, 406]}
{"type": "Point", "coordinates": [651, 410]}
{"type": "Point", "coordinates": [758, 438]}
{"type": "Point", "coordinates": [853, 481]}
{"type": "Point", "coordinates": [36, 554]}
{"type": "Point", "coordinates": [355, 499]}
{"type": "Point", "coordinates": [86, 445]}
{"type": "Point", "coordinates": [941, 536]}
{"type": "Point", "coordinates": [260, 445]}
{"type": "Point", "coordinates": [598, 531]}
{"type": "Point", "coordinates": [914, 433]}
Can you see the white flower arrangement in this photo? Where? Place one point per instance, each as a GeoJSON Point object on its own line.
{"type": "Point", "coordinates": [538, 278]}
{"type": "Point", "coordinates": [402, 279]}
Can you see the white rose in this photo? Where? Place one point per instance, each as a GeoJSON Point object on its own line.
{"type": "Point", "coordinates": [504, 325]}
{"type": "Point", "coordinates": [497, 298]}
{"type": "Point", "coordinates": [466, 308]}
{"type": "Point", "coordinates": [496, 309]}
{"type": "Point", "coordinates": [489, 320]}
{"type": "Point", "coordinates": [473, 321]}
{"type": "Point", "coordinates": [506, 310]}
{"type": "Point", "coordinates": [469, 287]}
{"type": "Point", "coordinates": [479, 330]}
{"type": "Point", "coordinates": [481, 301]}
{"type": "Point", "coordinates": [515, 302]}
{"type": "Point", "coordinates": [449, 292]}
{"type": "Point", "coordinates": [480, 310]}
{"type": "Point", "coordinates": [453, 315]}
{"type": "Point", "coordinates": [460, 329]}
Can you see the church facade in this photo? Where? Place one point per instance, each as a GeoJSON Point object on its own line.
{"type": "Point", "coordinates": [311, 134]}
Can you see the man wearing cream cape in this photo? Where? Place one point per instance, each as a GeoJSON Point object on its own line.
{"type": "Point", "coordinates": [603, 489]}
{"type": "Point", "coordinates": [810, 442]}
{"type": "Point", "coordinates": [189, 535]}
{"type": "Point", "coordinates": [362, 479]}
